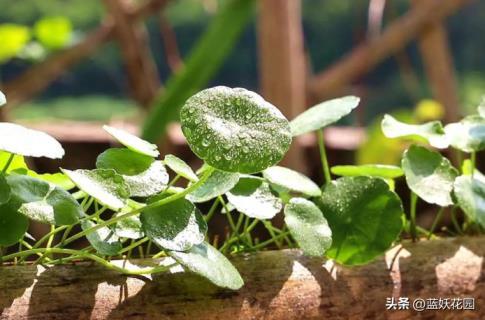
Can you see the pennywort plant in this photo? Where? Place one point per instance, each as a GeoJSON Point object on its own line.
{"type": "Point", "coordinates": [135, 204]}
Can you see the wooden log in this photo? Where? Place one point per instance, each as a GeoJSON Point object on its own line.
{"type": "Point", "coordinates": [365, 57]}
{"type": "Point", "coordinates": [279, 285]}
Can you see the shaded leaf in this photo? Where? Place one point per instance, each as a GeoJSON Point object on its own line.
{"type": "Point", "coordinates": [180, 167]}
{"type": "Point", "coordinates": [308, 226]}
{"type": "Point", "coordinates": [218, 183]}
{"type": "Point", "coordinates": [103, 240]}
{"type": "Point", "coordinates": [290, 180]}
{"type": "Point", "coordinates": [365, 218]}
{"type": "Point", "coordinates": [373, 170]}
{"type": "Point", "coordinates": [105, 185]}
{"type": "Point", "coordinates": [174, 226]}
{"type": "Point", "coordinates": [133, 142]}
{"type": "Point", "coordinates": [4, 190]}
{"type": "Point", "coordinates": [124, 161]}
{"type": "Point", "coordinates": [468, 135]}
{"type": "Point", "coordinates": [235, 130]}
{"type": "Point", "coordinates": [470, 195]}
{"type": "Point", "coordinates": [432, 132]}
{"type": "Point", "coordinates": [429, 175]}
{"type": "Point", "coordinates": [254, 198]}
{"type": "Point", "coordinates": [323, 114]}
{"type": "Point", "coordinates": [27, 142]}
{"type": "Point", "coordinates": [206, 261]}
{"type": "Point", "coordinates": [13, 225]}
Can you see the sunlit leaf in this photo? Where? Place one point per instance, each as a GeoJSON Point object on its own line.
{"type": "Point", "coordinates": [253, 197]}
{"type": "Point", "coordinates": [133, 142]}
{"type": "Point", "coordinates": [27, 142]}
{"type": "Point", "coordinates": [149, 182]}
{"type": "Point", "coordinates": [59, 179]}
{"type": "Point", "coordinates": [177, 225]}
{"type": "Point", "coordinates": [468, 135]}
{"type": "Point", "coordinates": [235, 130]}
{"type": "Point", "coordinates": [130, 227]}
{"type": "Point", "coordinates": [373, 170]}
{"type": "Point", "coordinates": [470, 195]}
{"type": "Point", "coordinates": [206, 261]}
{"type": "Point", "coordinates": [17, 163]}
{"type": "Point", "coordinates": [323, 114]}
{"type": "Point", "coordinates": [432, 132]}
{"type": "Point", "coordinates": [13, 38]}
{"type": "Point", "coordinates": [290, 180]}
{"type": "Point", "coordinates": [105, 185]}
{"type": "Point", "coordinates": [365, 218]}
{"type": "Point", "coordinates": [180, 167]}
{"type": "Point", "coordinates": [429, 175]}
{"type": "Point", "coordinates": [3, 100]}
{"type": "Point", "coordinates": [218, 183]}
{"type": "Point", "coordinates": [53, 32]}
{"type": "Point", "coordinates": [308, 226]}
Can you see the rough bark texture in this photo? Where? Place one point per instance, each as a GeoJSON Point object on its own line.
{"type": "Point", "coordinates": [279, 285]}
{"type": "Point", "coordinates": [395, 37]}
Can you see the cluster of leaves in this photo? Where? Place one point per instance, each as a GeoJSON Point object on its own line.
{"type": "Point", "coordinates": [130, 200]}
{"type": "Point", "coordinates": [47, 34]}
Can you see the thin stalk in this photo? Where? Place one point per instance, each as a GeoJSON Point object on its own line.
{"type": "Point", "coordinates": [412, 229]}
{"type": "Point", "coordinates": [323, 157]}
{"type": "Point", "coordinates": [7, 165]}
{"type": "Point", "coordinates": [272, 233]}
{"type": "Point", "coordinates": [455, 222]}
{"type": "Point", "coordinates": [134, 244]}
{"type": "Point", "coordinates": [270, 241]}
{"type": "Point", "coordinates": [437, 219]}
{"type": "Point", "coordinates": [212, 210]}
{"type": "Point", "coordinates": [153, 205]}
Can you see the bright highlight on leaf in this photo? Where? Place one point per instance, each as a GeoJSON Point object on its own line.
{"type": "Point", "coordinates": [308, 226]}
{"type": "Point", "coordinates": [429, 175]}
{"type": "Point", "coordinates": [53, 32]}
{"type": "Point", "coordinates": [176, 226]}
{"type": "Point", "coordinates": [3, 100]}
{"type": "Point", "coordinates": [365, 218]}
{"type": "Point", "coordinates": [323, 114]}
{"type": "Point", "coordinates": [432, 132]}
{"type": "Point", "coordinates": [206, 261]}
{"type": "Point", "coordinates": [180, 167]}
{"type": "Point", "coordinates": [235, 130]}
{"type": "Point", "coordinates": [290, 180]}
{"type": "Point", "coordinates": [133, 142]}
{"type": "Point", "coordinates": [468, 135]}
{"type": "Point", "coordinates": [105, 185]}
{"type": "Point", "coordinates": [27, 142]}
{"type": "Point", "coordinates": [470, 195]}
{"type": "Point", "coordinates": [372, 170]}
{"type": "Point", "coordinates": [253, 197]}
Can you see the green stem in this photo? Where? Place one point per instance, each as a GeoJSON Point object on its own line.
{"type": "Point", "coordinates": [134, 244]}
{"type": "Point", "coordinates": [7, 165]}
{"type": "Point", "coordinates": [455, 222]}
{"type": "Point", "coordinates": [89, 256]}
{"type": "Point", "coordinates": [414, 200]}
{"type": "Point", "coordinates": [270, 241]}
{"type": "Point", "coordinates": [153, 205]}
{"type": "Point", "coordinates": [272, 233]}
{"type": "Point", "coordinates": [437, 219]}
{"type": "Point", "coordinates": [323, 157]}
{"type": "Point", "coordinates": [212, 210]}
{"type": "Point", "coordinates": [474, 162]}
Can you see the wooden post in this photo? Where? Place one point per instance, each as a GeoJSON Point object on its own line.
{"type": "Point", "coordinates": [438, 65]}
{"type": "Point", "coordinates": [282, 63]}
{"type": "Point", "coordinates": [133, 40]}
{"type": "Point", "coordinates": [278, 285]}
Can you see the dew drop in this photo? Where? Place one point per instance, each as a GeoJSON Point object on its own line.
{"type": "Point", "coordinates": [205, 143]}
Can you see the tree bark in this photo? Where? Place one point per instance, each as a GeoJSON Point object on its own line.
{"type": "Point", "coordinates": [279, 285]}
{"type": "Point", "coordinates": [365, 57]}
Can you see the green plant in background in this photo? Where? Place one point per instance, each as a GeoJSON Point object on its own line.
{"type": "Point", "coordinates": [130, 206]}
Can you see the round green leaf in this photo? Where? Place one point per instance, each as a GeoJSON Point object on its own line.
{"type": "Point", "coordinates": [365, 218]}
{"type": "Point", "coordinates": [133, 142]}
{"type": "Point", "coordinates": [124, 161]}
{"type": "Point", "coordinates": [58, 179]}
{"type": "Point", "coordinates": [218, 183]}
{"type": "Point", "coordinates": [323, 114]}
{"type": "Point", "coordinates": [103, 240]}
{"type": "Point", "coordinates": [105, 185]}
{"type": "Point", "coordinates": [13, 225]}
{"type": "Point", "coordinates": [290, 180]}
{"type": "Point", "coordinates": [130, 227]}
{"type": "Point", "coordinates": [469, 193]}
{"type": "Point", "coordinates": [27, 142]}
{"type": "Point", "coordinates": [235, 130]}
{"type": "Point", "coordinates": [53, 32]}
{"type": "Point", "coordinates": [308, 226]}
{"type": "Point", "coordinates": [175, 226]}
{"type": "Point", "coordinates": [432, 132]}
{"type": "Point", "coordinates": [180, 167]}
{"type": "Point", "coordinates": [149, 182]}
{"type": "Point", "coordinates": [4, 190]}
{"type": "Point", "coordinates": [468, 135]}
{"type": "Point", "coordinates": [25, 189]}
{"type": "Point", "coordinates": [206, 261]}
{"type": "Point", "coordinates": [429, 175]}
{"type": "Point", "coordinates": [3, 100]}
{"type": "Point", "coordinates": [254, 198]}
{"type": "Point", "coordinates": [372, 170]}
